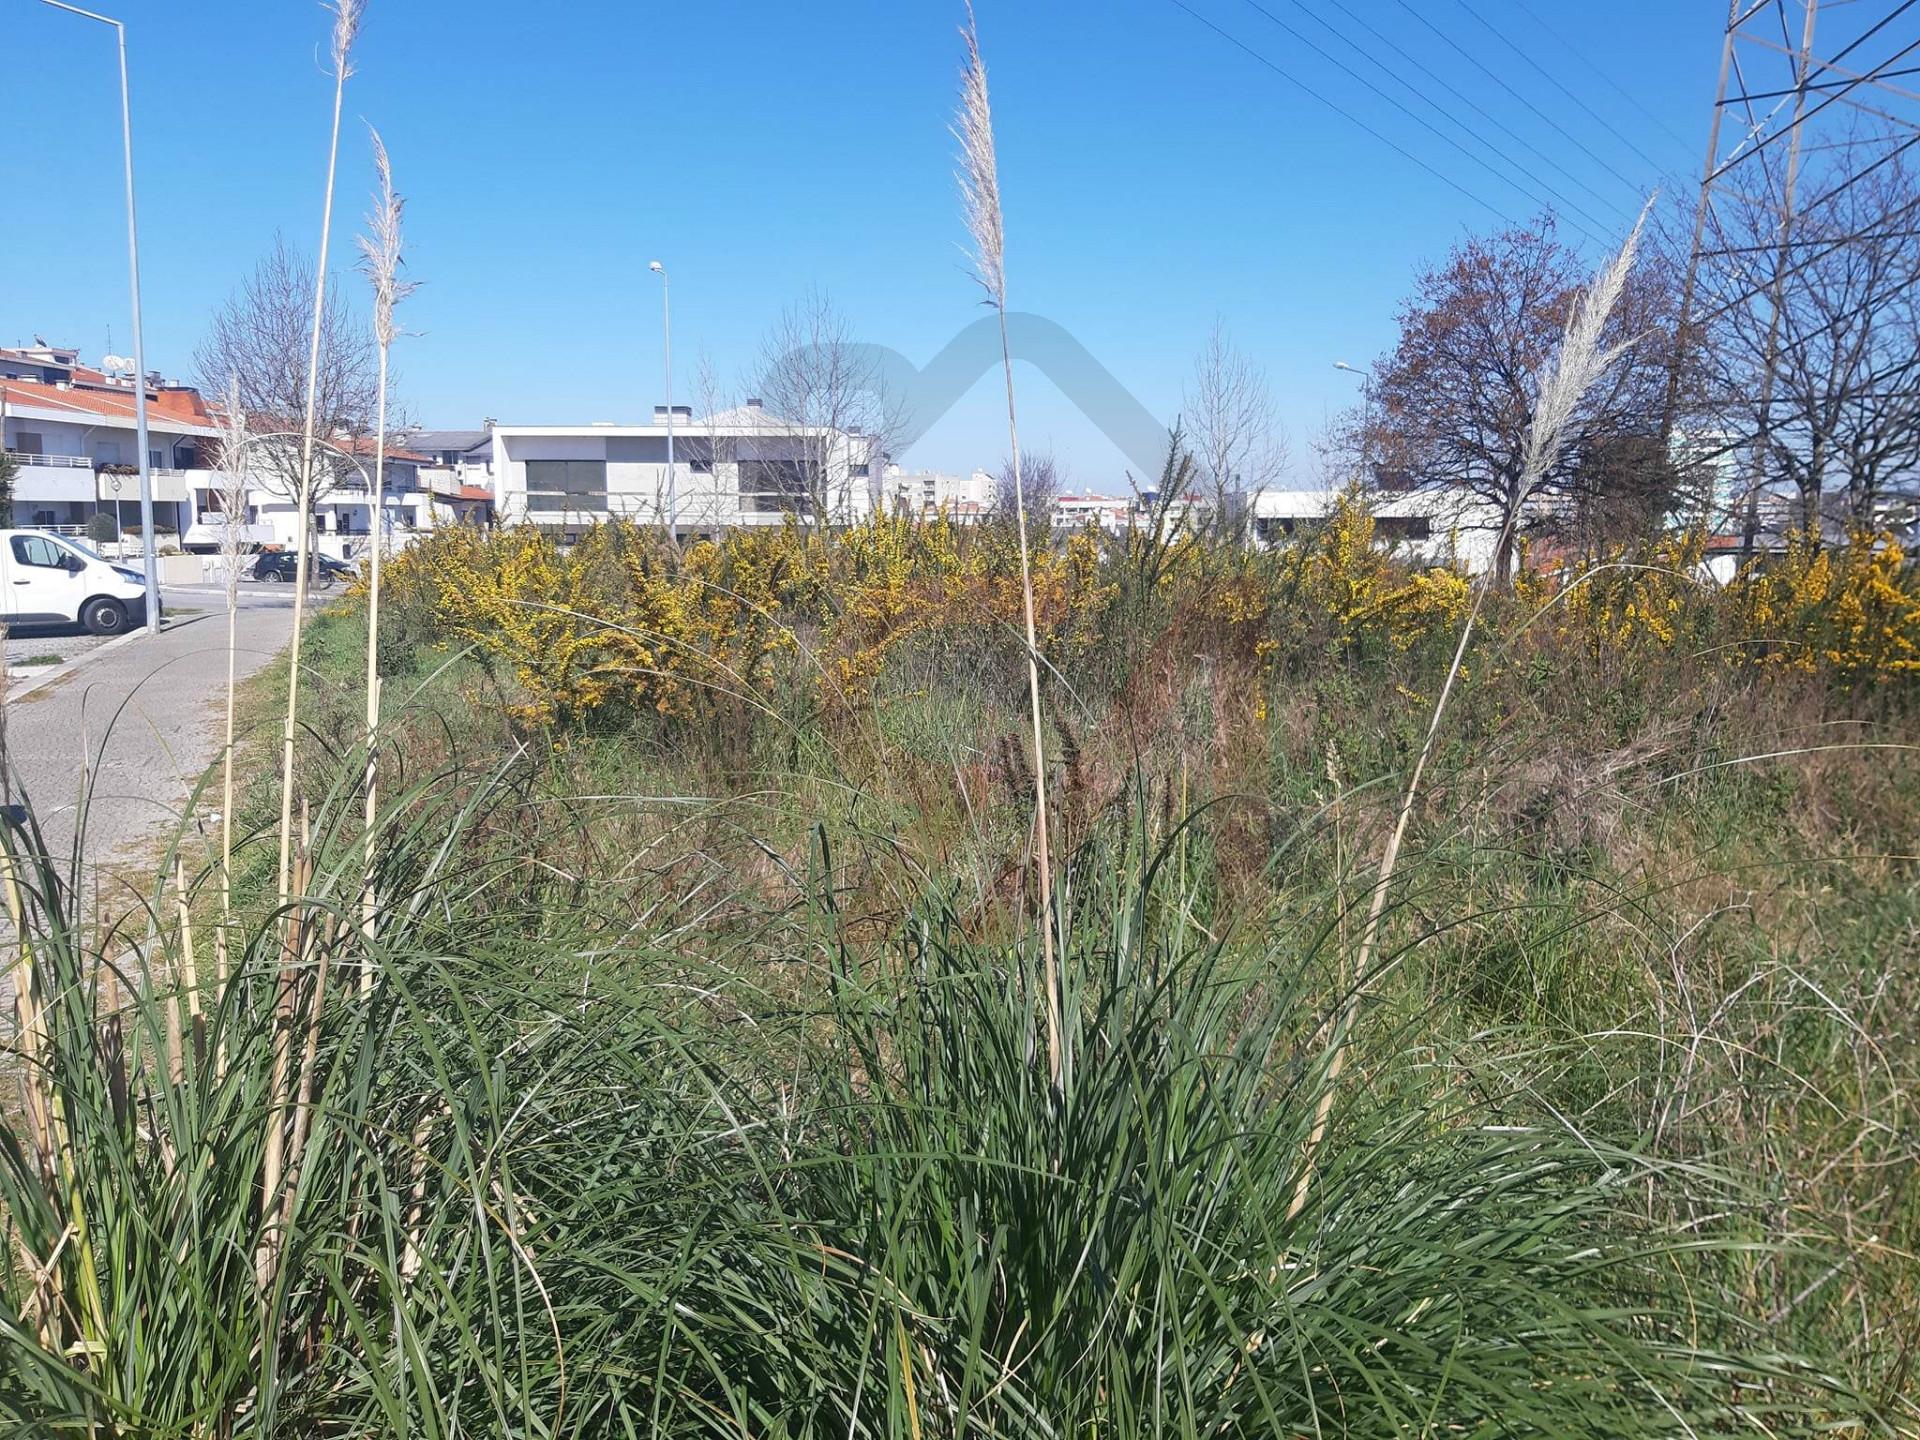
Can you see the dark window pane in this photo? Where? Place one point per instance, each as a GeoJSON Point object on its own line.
{"type": "Point", "coordinates": [566, 484]}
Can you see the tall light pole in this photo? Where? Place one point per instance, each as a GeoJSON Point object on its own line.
{"type": "Point", "coordinates": [139, 346]}
{"type": "Point", "coordinates": [666, 329]}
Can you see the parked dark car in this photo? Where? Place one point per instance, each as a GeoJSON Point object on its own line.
{"type": "Point", "coordinates": [278, 566]}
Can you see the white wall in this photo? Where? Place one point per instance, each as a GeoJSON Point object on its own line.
{"type": "Point", "coordinates": [637, 474]}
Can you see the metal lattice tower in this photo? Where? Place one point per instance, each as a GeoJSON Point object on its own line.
{"type": "Point", "coordinates": [1799, 80]}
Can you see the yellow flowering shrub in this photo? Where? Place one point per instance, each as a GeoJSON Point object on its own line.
{"type": "Point", "coordinates": [1362, 597]}
{"type": "Point", "coordinates": [624, 623]}
{"type": "Point", "coordinates": [1853, 611]}
{"type": "Point", "coordinates": [620, 620]}
{"type": "Point", "coordinates": [1634, 598]}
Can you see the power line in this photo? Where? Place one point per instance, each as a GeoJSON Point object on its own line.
{"type": "Point", "coordinates": [1453, 90]}
{"type": "Point", "coordinates": [1872, 30]}
{"type": "Point", "coordinates": [1557, 84]}
{"type": "Point", "coordinates": [1419, 119]}
{"type": "Point", "coordinates": [1636, 186]}
{"type": "Point", "coordinates": [1848, 83]}
{"type": "Point", "coordinates": [1581, 56]}
{"type": "Point", "coordinates": [1343, 112]}
{"type": "Point", "coordinates": [1825, 250]}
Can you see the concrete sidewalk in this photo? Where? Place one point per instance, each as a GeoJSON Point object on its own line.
{"type": "Point", "coordinates": [144, 717]}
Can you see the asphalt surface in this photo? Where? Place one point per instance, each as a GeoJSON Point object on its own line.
{"type": "Point", "coordinates": [143, 718]}
{"type": "Point", "coordinates": [35, 646]}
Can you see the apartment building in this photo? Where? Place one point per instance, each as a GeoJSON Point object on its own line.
{"type": "Point", "coordinates": [1111, 514]}
{"type": "Point", "coordinates": [923, 494]}
{"type": "Point", "coordinates": [733, 468]}
{"type": "Point", "coordinates": [69, 427]}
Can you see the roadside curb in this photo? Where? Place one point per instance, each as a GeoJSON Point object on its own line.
{"type": "Point", "coordinates": [56, 672]}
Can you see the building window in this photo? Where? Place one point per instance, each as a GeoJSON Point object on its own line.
{"type": "Point", "coordinates": [1404, 527]}
{"type": "Point", "coordinates": [859, 471]}
{"type": "Point", "coordinates": [29, 442]}
{"type": "Point", "coordinates": [769, 487]}
{"type": "Point", "coordinates": [554, 485]}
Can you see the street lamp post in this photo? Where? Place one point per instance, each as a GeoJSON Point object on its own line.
{"type": "Point", "coordinates": [1366, 403]}
{"type": "Point", "coordinates": [139, 346]}
{"type": "Point", "coordinates": [666, 329]}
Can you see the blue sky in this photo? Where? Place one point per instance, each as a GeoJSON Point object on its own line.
{"type": "Point", "coordinates": [1155, 175]}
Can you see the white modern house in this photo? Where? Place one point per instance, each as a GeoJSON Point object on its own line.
{"type": "Point", "coordinates": [1427, 526]}
{"type": "Point", "coordinates": [733, 468]}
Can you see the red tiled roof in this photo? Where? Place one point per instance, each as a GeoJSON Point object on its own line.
{"type": "Point", "coordinates": [366, 445]}
{"type": "Point", "coordinates": [473, 492]}
{"type": "Point", "coordinates": [179, 406]}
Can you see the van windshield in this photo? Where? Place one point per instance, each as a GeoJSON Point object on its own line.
{"type": "Point", "coordinates": [85, 550]}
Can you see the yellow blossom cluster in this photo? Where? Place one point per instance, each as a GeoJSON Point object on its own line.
{"type": "Point", "coordinates": [1342, 580]}
{"type": "Point", "coordinates": [1852, 610]}
{"type": "Point", "coordinates": [1634, 597]}
{"type": "Point", "coordinates": [622, 620]}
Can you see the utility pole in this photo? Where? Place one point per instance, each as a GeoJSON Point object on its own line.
{"type": "Point", "coordinates": [666, 330]}
{"type": "Point", "coordinates": [1779, 99]}
{"type": "Point", "coordinates": [1776, 296]}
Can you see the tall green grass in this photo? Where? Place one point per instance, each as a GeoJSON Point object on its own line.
{"type": "Point", "coordinates": [553, 1185]}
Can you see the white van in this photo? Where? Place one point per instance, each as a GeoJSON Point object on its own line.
{"type": "Point", "coordinates": [48, 579]}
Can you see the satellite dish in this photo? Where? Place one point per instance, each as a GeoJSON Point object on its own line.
{"type": "Point", "coordinates": [116, 364]}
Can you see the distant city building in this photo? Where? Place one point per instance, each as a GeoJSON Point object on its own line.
{"type": "Point", "coordinates": [922, 494]}
{"type": "Point", "coordinates": [1102, 512]}
{"type": "Point", "coordinates": [739, 467]}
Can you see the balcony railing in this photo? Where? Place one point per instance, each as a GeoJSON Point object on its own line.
{"type": "Point", "coordinates": [55, 462]}
{"type": "Point", "coordinates": [87, 462]}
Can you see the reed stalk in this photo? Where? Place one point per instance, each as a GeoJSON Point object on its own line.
{"type": "Point", "coordinates": [295, 944]}
{"type": "Point", "coordinates": [346, 15]}
{"type": "Point", "coordinates": [380, 260]}
{"type": "Point", "coordinates": [1576, 368]}
{"type": "Point", "coordinates": [233, 503]}
{"type": "Point", "coordinates": [979, 178]}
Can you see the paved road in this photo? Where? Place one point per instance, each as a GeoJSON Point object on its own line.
{"type": "Point", "coordinates": [147, 758]}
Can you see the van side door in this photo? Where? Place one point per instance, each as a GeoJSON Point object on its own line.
{"type": "Point", "coordinates": [41, 586]}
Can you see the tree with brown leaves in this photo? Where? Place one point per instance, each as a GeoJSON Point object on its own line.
{"type": "Point", "coordinates": [1454, 402]}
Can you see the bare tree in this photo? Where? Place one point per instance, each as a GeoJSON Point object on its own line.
{"type": "Point", "coordinates": [1455, 401]}
{"type": "Point", "coordinates": [819, 389]}
{"type": "Point", "coordinates": [1237, 441]}
{"type": "Point", "coordinates": [713, 451]}
{"type": "Point", "coordinates": [258, 345]}
{"type": "Point", "coordinates": [1040, 477]}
